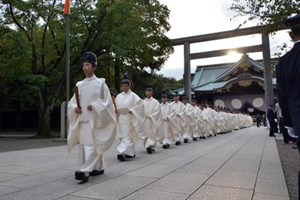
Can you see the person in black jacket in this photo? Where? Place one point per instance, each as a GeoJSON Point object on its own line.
{"type": "Point", "coordinates": [288, 81]}
{"type": "Point", "coordinates": [272, 121]}
{"type": "Point", "coordinates": [258, 120]}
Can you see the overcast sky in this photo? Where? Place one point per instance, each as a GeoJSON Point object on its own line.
{"type": "Point", "coordinates": [195, 17]}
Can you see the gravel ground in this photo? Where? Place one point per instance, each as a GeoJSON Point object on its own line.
{"type": "Point", "coordinates": [14, 144]}
{"type": "Point", "coordinates": [290, 160]}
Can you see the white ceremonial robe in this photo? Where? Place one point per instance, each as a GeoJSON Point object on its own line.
{"type": "Point", "coordinates": [170, 126]}
{"type": "Point", "coordinates": [223, 122]}
{"type": "Point", "coordinates": [224, 119]}
{"type": "Point", "coordinates": [202, 124]}
{"type": "Point", "coordinates": [213, 120]}
{"type": "Point", "coordinates": [228, 122]}
{"type": "Point", "coordinates": [130, 125]}
{"type": "Point", "coordinates": [196, 129]}
{"type": "Point", "coordinates": [179, 109]}
{"type": "Point", "coordinates": [152, 123]}
{"type": "Point", "coordinates": [237, 122]}
{"type": "Point", "coordinates": [249, 121]}
{"type": "Point", "coordinates": [94, 130]}
{"type": "Point", "coordinates": [217, 121]}
{"type": "Point", "coordinates": [232, 121]}
{"type": "Point", "coordinates": [208, 121]}
{"type": "Point", "coordinates": [190, 121]}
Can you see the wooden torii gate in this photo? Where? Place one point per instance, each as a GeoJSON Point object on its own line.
{"type": "Point", "coordinates": [264, 48]}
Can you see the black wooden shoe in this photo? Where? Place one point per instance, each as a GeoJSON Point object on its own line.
{"type": "Point", "coordinates": [96, 172]}
{"type": "Point", "coordinates": [165, 146]}
{"type": "Point", "coordinates": [177, 143]}
{"type": "Point", "coordinates": [149, 150]}
{"type": "Point", "coordinates": [195, 139]}
{"type": "Point", "coordinates": [121, 157]}
{"type": "Point", "coordinates": [186, 141]}
{"type": "Point", "coordinates": [81, 176]}
{"type": "Point", "coordinates": [168, 145]}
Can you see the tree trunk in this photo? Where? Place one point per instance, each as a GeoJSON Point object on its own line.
{"type": "Point", "coordinates": [18, 116]}
{"type": "Point", "coordinates": [44, 122]}
{"type": "Point", "coordinates": [43, 116]}
{"type": "Point", "coordinates": [1, 108]}
{"type": "Point", "coordinates": [117, 75]}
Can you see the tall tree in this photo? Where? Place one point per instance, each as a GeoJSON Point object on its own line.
{"type": "Point", "coordinates": [133, 30]}
{"type": "Point", "coordinates": [265, 11]}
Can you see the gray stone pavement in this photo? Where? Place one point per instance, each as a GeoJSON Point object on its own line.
{"type": "Point", "coordinates": [241, 165]}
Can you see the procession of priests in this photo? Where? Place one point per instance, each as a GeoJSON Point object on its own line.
{"type": "Point", "coordinates": [97, 118]}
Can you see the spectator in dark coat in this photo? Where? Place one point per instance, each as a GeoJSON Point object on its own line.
{"type": "Point", "coordinates": [264, 120]}
{"type": "Point", "coordinates": [272, 121]}
{"type": "Point", "coordinates": [288, 81]}
{"type": "Point", "coordinates": [258, 120]}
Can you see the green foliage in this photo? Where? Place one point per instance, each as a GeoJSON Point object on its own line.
{"type": "Point", "coordinates": [32, 45]}
{"type": "Point", "coordinates": [142, 79]}
{"type": "Point", "coordinates": [266, 11]}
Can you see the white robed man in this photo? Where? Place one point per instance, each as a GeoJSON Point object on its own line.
{"type": "Point", "coordinates": [190, 121]}
{"type": "Point", "coordinates": [179, 109]}
{"type": "Point", "coordinates": [211, 120]}
{"type": "Point", "coordinates": [205, 116]}
{"type": "Point", "coordinates": [202, 125]}
{"type": "Point", "coordinates": [130, 115]}
{"type": "Point", "coordinates": [152, 121]}
{"type": "Point", "coordinates": [249, 121]}
{"type": "Point", "coordinates": [196, 125]}
{"type": "Point", "coordinates": [217, 122]}
{"type": "Point", "coordinates": [170, 126]}
{"type": "Point", "coordinates": [222, 120]}
{"type": "Point", "coordinates": [92, 120]}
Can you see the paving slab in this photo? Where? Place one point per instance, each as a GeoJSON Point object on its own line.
{"type": "Point", "coordinates": [272, 174]}
{"type": "Point", "coordinates": [178, 182]}
{"type": "Point", "coordinates": [70, 197]}
{"type": "Point", "coordinates": [154, 170]}
{"type": "Point", "coordinates": [242, 165]}
{"type": "Point", "coordinates": [201, 167]}
{"type": "Point", "coordinates": [115, 188]}
{"type": "Point", "coordinates": [7, 190]}
{"type": "Point", "coordinates": [179, 161]}
{"type": "Point", "coordinates": [7, 176]}
{"type": "Point", "coordinates": [39, 179]}
{"type": "Point", "coordinates": [235, 179]}
{"type": "Point", "coordinates": [48, 191]}
{"type": "Point", "coordinates": [212, 192]}
{"type": "Point", "coordinates": [147, 194]}
{"type": "Point", "coordinates": [271, 186]}
{"type": "Point", "coordinates": [259, 196]}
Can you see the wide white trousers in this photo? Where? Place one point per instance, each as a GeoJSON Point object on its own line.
{"type": "Point", "coordinates": [89, 159]}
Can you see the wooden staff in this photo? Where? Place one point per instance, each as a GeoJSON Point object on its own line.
{"type": "Point", "coordinates": [77, 97]}
{"type": "Point", "coordinates": [115, 105]}
{"type": "Point", "coordinates": [114, 102]}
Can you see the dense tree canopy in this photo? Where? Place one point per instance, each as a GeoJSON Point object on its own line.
{"type": "Point", "coordinates": [126, 35]}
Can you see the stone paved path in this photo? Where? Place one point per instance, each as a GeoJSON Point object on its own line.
{"type": "Point", "coordinates": [242, 165]}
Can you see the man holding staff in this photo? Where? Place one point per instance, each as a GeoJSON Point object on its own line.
{"type": "Point", "coordinates": [92, 120]}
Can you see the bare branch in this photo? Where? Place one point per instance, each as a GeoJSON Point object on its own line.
{"type": "Point", "coordinates": [17, 22]}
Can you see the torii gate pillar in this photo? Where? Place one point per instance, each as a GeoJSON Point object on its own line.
{"type": "Point", "coordinates": [187, 71]}
{"type": "Point", "coordinates": [269, 94]}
